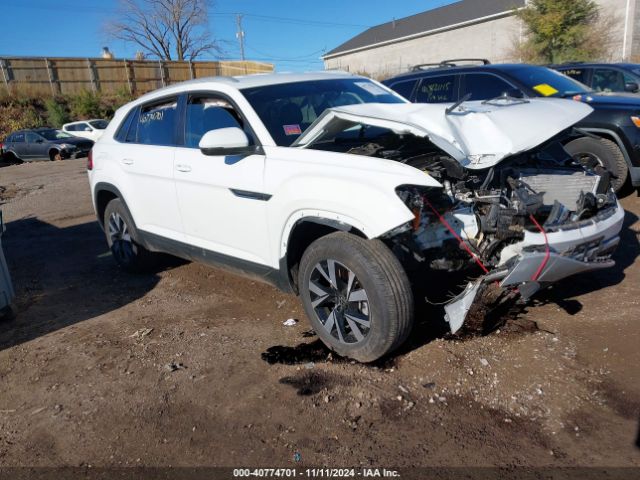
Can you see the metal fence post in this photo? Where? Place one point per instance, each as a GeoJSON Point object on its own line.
{"type": "Point", "coordinates": [164, 84]}
{"type": "Point", "coordinates": [126, 69]}
{"type": "Point", "coordinates": [5, 75]}
{"type": "Point", "coordinates": [92, 75]}
{"type": "Point", "coordinates": [51, 77]}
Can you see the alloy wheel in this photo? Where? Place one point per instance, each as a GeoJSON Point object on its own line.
{"type": "Point", "coordinates": [340, 302]}
{"type": "Point", "coordinates": [121, 242]}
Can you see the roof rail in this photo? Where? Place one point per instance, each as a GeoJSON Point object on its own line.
{"type": "Point", "coordinates": [450, 63]}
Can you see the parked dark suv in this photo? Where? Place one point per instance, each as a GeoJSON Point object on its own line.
{"type": "Point", "coordinates": [612, 130]}
{"type": "Point", "coordinates": [44, 144]}
{"type": "Point", "coordinates": [604, 77]}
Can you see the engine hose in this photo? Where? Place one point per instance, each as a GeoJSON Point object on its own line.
{"type": "Point", "coordinates": [462, 243]}
{"type": "Point", "coordinates": [547, 253]}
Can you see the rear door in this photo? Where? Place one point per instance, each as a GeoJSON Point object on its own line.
{"type": "Point", "coordinates": [18, 145]}
{"type": "Point", "coordinates": [438, 89]}
{"type": "Point", "coordinates": [221, 198]}
{"type": "Point", "coordinates": [144, 154]}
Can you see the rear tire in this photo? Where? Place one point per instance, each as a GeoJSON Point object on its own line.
{"type": "Point", "coordinates": [356, 295]}
{"type": "Point", "coordinates": [123, 239]}
{"type": "Point", "coordinates": [606, 153]}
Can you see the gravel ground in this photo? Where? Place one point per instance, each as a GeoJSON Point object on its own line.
{"type": "Point", "coordinates": [192, 366]}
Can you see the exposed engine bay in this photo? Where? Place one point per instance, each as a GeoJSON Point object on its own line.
{"type": "Point", "coordinates": [509, 222]}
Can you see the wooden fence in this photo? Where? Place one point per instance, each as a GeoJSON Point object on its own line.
{"type": "Point", "coordinates": [55, 76]}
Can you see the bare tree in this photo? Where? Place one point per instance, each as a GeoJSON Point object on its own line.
{"type": "Point", "coordinates": [167, 29]}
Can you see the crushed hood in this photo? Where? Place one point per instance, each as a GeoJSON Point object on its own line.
{"type": "Point", "coordinates": [477, 134]}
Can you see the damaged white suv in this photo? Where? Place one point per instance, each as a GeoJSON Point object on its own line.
{"type": "Point", "coordinates": [334, 187]}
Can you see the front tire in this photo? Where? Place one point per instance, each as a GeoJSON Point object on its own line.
{"type": "Point", "coordinates": [356, 295]}
{"type": "Point", "coordinates": [604, 152]}
{"type": "Point", "coordinates": [55, 156]}
{"type": "Point", "coordinates": [123, 239]}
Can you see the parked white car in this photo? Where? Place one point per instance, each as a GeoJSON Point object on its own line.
{"type": "Point", "coordinates": [91, 129]}
{"type": "Point", "coordinates": [334, 187]}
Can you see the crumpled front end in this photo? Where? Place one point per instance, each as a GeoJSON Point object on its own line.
{"type": "Point", "coordinates": [533, 220]}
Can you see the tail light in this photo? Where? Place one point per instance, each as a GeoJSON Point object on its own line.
{"type": "Point", "coordinates": [90, 160]}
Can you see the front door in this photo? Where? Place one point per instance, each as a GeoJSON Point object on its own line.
{"type": "Point", "coordinates": [221, 199]}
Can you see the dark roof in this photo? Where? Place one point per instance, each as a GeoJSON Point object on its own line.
{"type": "Point", "coordinates": [449, 15]}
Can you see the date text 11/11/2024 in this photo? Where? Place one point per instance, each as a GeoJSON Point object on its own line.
{"type": "Point", "coordinates": [316, 473]}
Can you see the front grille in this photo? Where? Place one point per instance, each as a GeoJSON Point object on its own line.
{"type": "Point", "coordinates": [562, 185]}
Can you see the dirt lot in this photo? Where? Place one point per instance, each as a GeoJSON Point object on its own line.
{"type": "Point", "coordinates": [192, 366]}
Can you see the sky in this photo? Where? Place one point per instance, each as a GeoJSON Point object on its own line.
{"type": "Point", "coordinates": [291, 35]}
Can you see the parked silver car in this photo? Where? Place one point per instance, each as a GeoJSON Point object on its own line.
{"type": "Point", "coordinates": [44, 144]}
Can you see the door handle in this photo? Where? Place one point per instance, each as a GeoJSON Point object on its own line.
{"type": "Point", "coordinates": [127, 161]}
{"type": "Point", "coordinates": [183, 168]}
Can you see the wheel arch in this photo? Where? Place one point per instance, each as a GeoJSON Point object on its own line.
{"type": "Point", "coordinates": [103, 194]}
{"type": "Point", "coordinates": [52, 150]}
{"type": "Point", "coordinates": [303, 232]}
{"type": "Point", "coordinates": [612, 136]}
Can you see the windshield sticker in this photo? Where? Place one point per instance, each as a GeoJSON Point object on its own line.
{"type": "Point", "coordinates": [545, 89]}
{"type": "Point", "coordinates": [292, 130]}
{"type": "Point", "coordinates": [372, 88]}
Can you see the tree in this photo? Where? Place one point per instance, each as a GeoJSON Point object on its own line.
{"type": "Point", "coordinates": [564, 30]}
{"type": "Point", "coordinates": [166, 29]}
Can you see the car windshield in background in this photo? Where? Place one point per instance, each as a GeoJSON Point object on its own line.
{"type": "Point", "coordinates": [53, 135]}
{"type": "Point", "coordinates": [288, 109]}
{"type": "Point", "coordinates": [99, 124]}
{"type": "Point", "coordinates": [548, 83]}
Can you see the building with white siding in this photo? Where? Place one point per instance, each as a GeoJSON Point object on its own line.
{"type": "Point", "coordinates": [465, 29]}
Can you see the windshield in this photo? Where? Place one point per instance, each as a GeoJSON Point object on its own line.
{"type": "Point", "coordinates": [54, 134]}
{"type": "Point", "coordinates": [548, 83]}
{"type": "Point", "coordinates": [99, 124]}
{"type": "Point", "coordinates": [288, 109]}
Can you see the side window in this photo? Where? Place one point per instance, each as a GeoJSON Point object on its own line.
{"type": "Point", "coordinates": [131, 135]}
{"type": "Point", "coordinates": [70, 128]}
{"type": "Point", "coordinates": [608, 80]}
{"type": "Point", "coordinates": [579, 74]}
{"type": "Point", "coordinates": [208, 113]}
{"type": "Point", "coordinates": [482, 86]}
{"type": "Point", "coordinates": [437, 90]}
{"type": "Point", "coordinates": [405, 88]}
{"type": "Point", "coordinates": [32, 137]}
{"type": "Point", "coordinates": [156, 123]}
{"type": "Point", "coordinates": [18, 138]}
{"type": "Point", "coordinates": [123, 129]}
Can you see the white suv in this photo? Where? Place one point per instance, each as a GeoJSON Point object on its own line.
{"type": "Point", "coordinates": [334, 187]}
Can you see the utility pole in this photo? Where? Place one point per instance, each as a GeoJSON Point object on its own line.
{"type": "Point", "coordinates": [240, 35]}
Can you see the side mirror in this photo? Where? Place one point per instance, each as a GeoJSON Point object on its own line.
{"type": "Point", "coordinates": [226, 141]}
{"type": "Point", "coordinates": [632, 87]}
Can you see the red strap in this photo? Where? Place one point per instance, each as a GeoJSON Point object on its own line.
{"type": "Point", "coordinates": [462, 242]}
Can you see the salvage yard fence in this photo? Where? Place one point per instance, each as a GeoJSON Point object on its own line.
{"type": "Point", "coordinates": [55, 76]}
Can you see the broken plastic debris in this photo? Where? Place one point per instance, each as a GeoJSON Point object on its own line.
{"type": "Point", "coordinates": [143, 332]}
{"type": "Point", "coordinates": [290, 323]}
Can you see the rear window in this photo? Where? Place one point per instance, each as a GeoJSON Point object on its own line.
{"type": "Point", "coordinates": [439, 89]}
{"type": "Point", "coordinates": [156, 124]}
